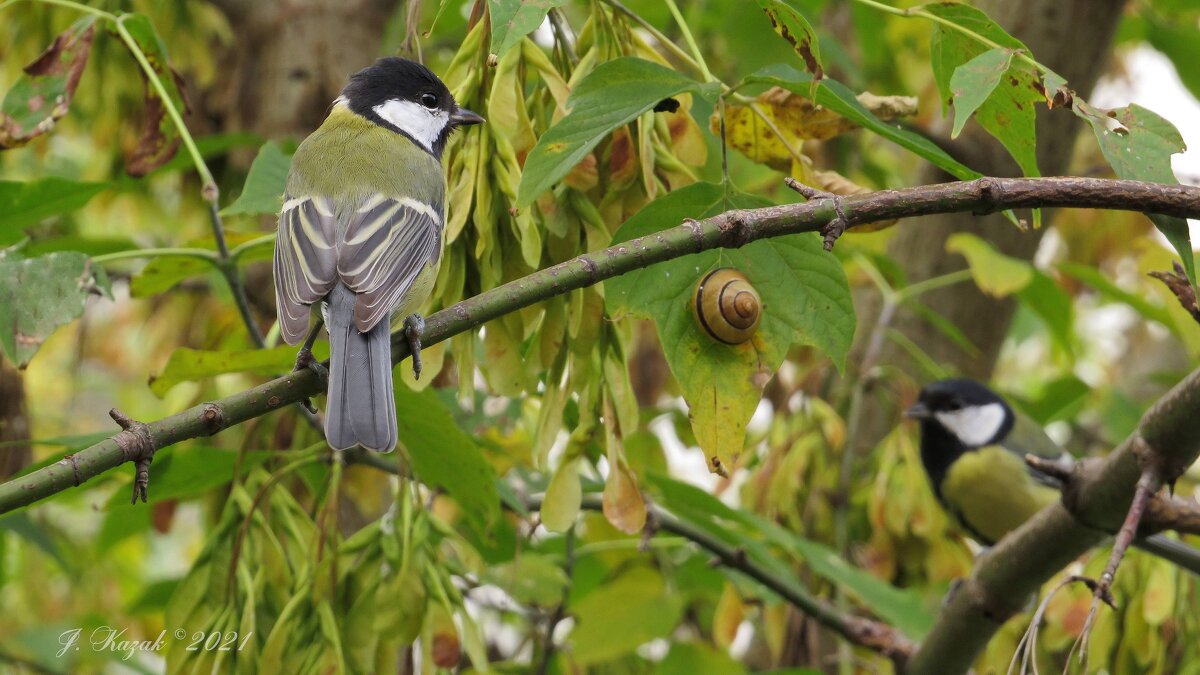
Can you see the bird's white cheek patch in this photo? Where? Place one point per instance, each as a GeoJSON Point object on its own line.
{"type": "Point", "coordinates": [414, 119]}
{"type": "Point", "coordinates": [974, 426]}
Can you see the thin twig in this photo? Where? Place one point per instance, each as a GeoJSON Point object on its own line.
{"type": "Point", "coordinates": [561, 610]}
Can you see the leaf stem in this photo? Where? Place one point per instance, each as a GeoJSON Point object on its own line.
{"type": "Point", "coordinates": [665, 41]}
{"type": "Point", "coordinates": [929, 16]}
{"type": "Point", "coordinates": [135, 253]}
{"type": "Point", "coordinates": [79, 7]}
{"type": "Point", "coordinates": [691, 41]}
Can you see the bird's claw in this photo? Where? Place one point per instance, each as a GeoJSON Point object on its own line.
{"type": "Point", "coordinates": [414, 326]}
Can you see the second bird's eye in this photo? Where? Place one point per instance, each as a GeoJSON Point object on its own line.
{"type": "Point", "coordinates": [429, 101]}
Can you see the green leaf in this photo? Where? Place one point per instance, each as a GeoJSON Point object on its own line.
{"type": "Point", "coordinates": [797, 31]}
{"type": "Point", "coordinates": [21, 525]}
{"type": "Point", "coordinates": [444, 456]}
{"type": "Point", "coordinates": [835, 96]}
{"type": "Point", "coordinates": [1007, 112]}
{"type": "Point", "coordinates": [40, 295]}
{"type": "Point", "coordinates": [974, 81]}
{"type": "Point", "coordinates": [994, 273]}
{"type": "Point", "coordinates": [42, 94]}
{"type": "Point", "coordinates": [1060, 399]}
{"type": "Point", "coordinates": [161, 274]}
{"type": "Point", "coordinates": [1053, 306]}
{"type": "Point", "coordinates": [530, 579]}
{"type": "Point", "coordinates": [1139, 147]}
{"type": "Point", "coordinates": [691, 658]}
{"type": "Point", "coordinates": [610, 96]}
{"type": "Point", "coordinates": [23, 204]}
{"type": "Point", "coordinates": [512, 20]}
{"type": "Point", "coordinates": [805, 300]}
{"type": "Point", "coordinates": [263, 190]}
{"type": "Point", "coordinates": [159, 137]}
{"type": "Point", "coordinates": [622, 615]}
{"type": "Point", "coordinates": [187, 364]}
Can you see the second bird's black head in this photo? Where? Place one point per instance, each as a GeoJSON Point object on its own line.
{"type": "Point", "coordinates": [407, 98]}
{"type": "Point", "coordinates": [958, 416]}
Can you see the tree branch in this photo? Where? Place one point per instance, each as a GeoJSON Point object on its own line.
{"type": "Point", "coordinates": [1095, 502]}
{"type": "Point", "coordinates": [731, 229]}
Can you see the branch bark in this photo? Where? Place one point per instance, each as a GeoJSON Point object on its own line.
{"type": "Point", "coordinates": [1097, 501]}
{"type": "Point", "coordinates": [731, 229]}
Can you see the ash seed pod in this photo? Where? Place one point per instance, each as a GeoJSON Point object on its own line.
{"type": "Point", "coordinates": [726, 306]}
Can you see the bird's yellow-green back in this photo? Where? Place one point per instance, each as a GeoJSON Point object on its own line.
{"type": "Point", "coordinates": [350, 158]}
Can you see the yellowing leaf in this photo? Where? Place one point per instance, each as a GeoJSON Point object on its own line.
{"type": "Point", "coordinates": [996, 274]}
{"type": "Point", "coordinates": [622, 502]}
{"type": "Point", "coordinates": [798, 119]}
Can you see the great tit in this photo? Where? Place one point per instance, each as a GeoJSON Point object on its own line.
{"type": "Point", "coordinates": [973, 446]}
{"type": "Point", "coordinates": [361, 232]}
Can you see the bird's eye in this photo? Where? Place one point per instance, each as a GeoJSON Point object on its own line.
{"type": "Point", "coordinates": [429, 101]}
{"type": "Point", "coordinates": [953, 405]}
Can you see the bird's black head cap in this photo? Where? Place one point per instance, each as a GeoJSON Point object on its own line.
{"type": "Point", "coordinates": [393, 79]}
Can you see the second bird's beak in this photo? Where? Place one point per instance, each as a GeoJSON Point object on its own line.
{"type": "Point", "coordinates": [918, 411]}
{"type": "Point", "coordinates": [462, 117]}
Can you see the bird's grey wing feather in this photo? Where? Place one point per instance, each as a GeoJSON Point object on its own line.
{"type": "Point", "coordinates": [305, 261]}
{"type": "Point", "coordinates": [386, 244]}
{"type": "Point", "coordinates": [1028, 437]}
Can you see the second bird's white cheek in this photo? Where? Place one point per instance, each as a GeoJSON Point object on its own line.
{"type": "Point", "coordinates": [974, 426]}
{"type": "Point", "coordinates": [414, 119]}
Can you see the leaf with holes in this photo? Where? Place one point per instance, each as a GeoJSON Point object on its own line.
{"type": "Point", "coordinates": [42, 95]}
{"type": "Point", "coordinates": [1007, 112]}
{"type": "Point", "coordinates": [805, 300]}
{"type": "Point", "coordinates": [42, 294]}
{"type": "Point", "coordinates": [1138, 144]}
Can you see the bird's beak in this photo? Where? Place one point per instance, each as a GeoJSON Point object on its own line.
{"type": "Point", "coordinates": [918, 411]}
{"type": "Point", "coordinates": [462, 117]}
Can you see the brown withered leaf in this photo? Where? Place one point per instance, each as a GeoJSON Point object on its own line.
{"type": "Point", "coordinates": [158, 139]}
{"type": "Point", "coordinates": [43, 94]}
{"type": "Point", "coordinates": [799, 120]}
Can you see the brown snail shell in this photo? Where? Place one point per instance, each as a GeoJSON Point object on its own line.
{"type": "Point", "coordinates": [726, 306]}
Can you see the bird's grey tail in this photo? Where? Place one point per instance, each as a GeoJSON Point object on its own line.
{"type": "Point", "coordinates": [362, 407]}
{"type": "Point", "coordinates": [1171, 550]}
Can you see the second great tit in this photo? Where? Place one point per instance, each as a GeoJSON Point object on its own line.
{"type": "Point", "coordinates": [361, 233]}
{"type": "Point", "coordinates": [973, 447]}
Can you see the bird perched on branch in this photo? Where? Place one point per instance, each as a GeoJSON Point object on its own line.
{"type": "Point", "coordinates": [361, 233]}
{"type": "Point", "coordinates": [973, 447]}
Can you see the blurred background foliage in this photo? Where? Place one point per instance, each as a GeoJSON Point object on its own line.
{"type": "Point", "coordinates": [323, 567]}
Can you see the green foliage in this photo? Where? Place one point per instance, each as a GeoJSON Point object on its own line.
{"type": "Point", "coordinates": [263, 191]}
{"type": "Point", "coordinates": [612, 95]}
{"type": "Point", "coordinates": [25, 204]}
